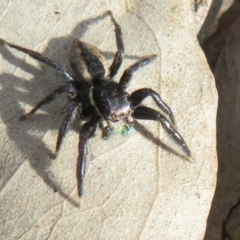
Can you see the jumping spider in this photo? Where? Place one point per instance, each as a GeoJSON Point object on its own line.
{"type": "Point", "coordinates": [97, 99]}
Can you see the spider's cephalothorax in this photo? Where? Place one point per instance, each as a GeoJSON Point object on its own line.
{"type": "Point", "coordinates": [99, 100]}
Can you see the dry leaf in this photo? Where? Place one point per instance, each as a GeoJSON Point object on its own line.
{"type": "Point", "coordinates": [136, 187]}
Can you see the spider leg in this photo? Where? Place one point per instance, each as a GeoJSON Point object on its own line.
{"type": "Point", "coordinates": [117, 62]}
{"type": "Point", "coordinates": [66, 88]}
{"type": "Point", "coordinates": [41, 58]}
{"type": "Point", "coordinates": [126, 77]}
{"type": "Point", "coordinates": [151, 114]}
{"type": "Point", "coordinates": [65, 125]}
{"type": "Point", "coordinates": [87, 131]}
{"type": "Point", "coordinates": [138, 96]}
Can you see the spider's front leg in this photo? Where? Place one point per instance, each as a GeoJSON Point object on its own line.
{"type": "Point", "coordinates": [87, 131]}
{"type": "Point", "coordinates": [138, 96]}
{"type": "Point", "coordinates": [127, 75]}
{"type": "Point", "coordinates": [151, 114]}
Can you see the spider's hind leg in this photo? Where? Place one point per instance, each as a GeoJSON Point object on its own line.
{"type": "Point", "coordinates": [151, 114]}
{"type": "Point", "coordinates": [38, 56]}
{"type": "Point", "coordinates": [117, 62]}
{"type": "Point", "coordinates": [106, 129]}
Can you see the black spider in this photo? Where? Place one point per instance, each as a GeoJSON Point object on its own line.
{"type": "Point", "coordinates": [97, 99]}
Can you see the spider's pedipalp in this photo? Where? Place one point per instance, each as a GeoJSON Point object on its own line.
{"type": "Point", "coordinates": [106, 129]}
{"type": "Point", "coordinates": [151, 114]}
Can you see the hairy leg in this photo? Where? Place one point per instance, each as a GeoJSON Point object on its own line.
{"type": "Point", "coordinates": [138, 96]}
{"type": "Point", "coordinates": [127, 75]}
{"type": "Point", "coordinates": [38, 56]}
{"type": "Point", "coordinates": [117, 62]}
{"type": "Point", "coordinates": [66, 125]}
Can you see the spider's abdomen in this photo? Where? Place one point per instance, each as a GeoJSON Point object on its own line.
{"type": "Point", "coordinates": [87, 61]}
{"type": "Point", "coordinates": [110, 100]}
